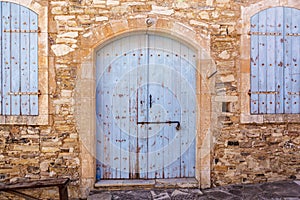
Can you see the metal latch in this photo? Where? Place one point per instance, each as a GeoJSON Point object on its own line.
{"type": "Point", "coordinates": [167, 122]}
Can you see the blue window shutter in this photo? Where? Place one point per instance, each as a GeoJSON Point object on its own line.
{"type": "Point", "coordinates": [19, 61]}
{"type": "Point", "coordinates": [275, 61]}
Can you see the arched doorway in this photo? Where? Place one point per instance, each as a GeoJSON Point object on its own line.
{"type": "Point", "coordinates": [145, 108]}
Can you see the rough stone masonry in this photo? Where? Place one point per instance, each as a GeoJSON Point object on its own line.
{"type": "Point", "coordinates": [241, 148]}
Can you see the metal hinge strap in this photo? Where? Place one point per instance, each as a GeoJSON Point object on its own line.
{"type": "Point", "coordinates": [263, 92]}
{"type": "Point", "coordinates": [293, 93]}
{"type": "Point", "coordinates": [21, 31]}
{"type": "Point", "coordinates": [293, 34]}
{"type": "Point", "coordinates": [265, 33]}
{"type": "Point", "coordinates": [23, 93]}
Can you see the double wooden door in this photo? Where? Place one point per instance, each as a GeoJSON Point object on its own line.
{"type": "Point", "coordinates": [146, 108]}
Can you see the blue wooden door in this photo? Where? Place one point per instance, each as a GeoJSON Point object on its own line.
{"type": "Point", "coordinates": [275, 61]}
{"type": "Point", "coordinates": [146, 108]}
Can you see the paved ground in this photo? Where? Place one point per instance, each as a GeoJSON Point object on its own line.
{"type": "Point", "coordinates": [283, 190]}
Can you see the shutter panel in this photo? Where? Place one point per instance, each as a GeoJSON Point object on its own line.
{"type": "Point", "coordinates": [275, 59]}
{"type": "Point", "coordinates": [19, 62]}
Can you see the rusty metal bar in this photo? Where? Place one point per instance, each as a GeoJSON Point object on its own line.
{"type": "Point", "coordinates": [265, 33]}
{"type": "Point", "coordinates": [166, 122]}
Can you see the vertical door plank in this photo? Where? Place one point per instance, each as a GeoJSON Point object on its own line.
{"type": "Point", "coordinates": [254, 64]}
{"type": "Point", "coordinates": [191, 85]}
{"type": "Point", "coordinates": [24, 62]}
{"type": "Point", "coordinates": [33, 62]}
{"type": "Point", "coordinates": [279, 61]}
{"type": "Point", "coordinates": [15, 59]}
{"type": "Point", "coordinates": [6, 63]}
{"type": "Point", "coordinates": [288, 60]}
{"type": "Point", "coordinates": [107, 109]}
{"type": "Point", "coordinates": [115, 112]}
{"type": "Point", "coordinates": [100, 145]}
{"type": "Point", "coordinates": [270, 59]}
{"type": "Point", "coordinates": [184, 123]}
{"type": "Point", "coordinates": [295, 62]}
{"type": "Point", "coordinates": [176, 114]}
{"type": "Point", "coordinates": [124, 102]}
{"type": "Point", "coordinates": [142, 81]}
{"type": "Point", "coordinates": [168, 104]}
{"type": "Point", "coordinates": [262, 68]}
{"type": "Point", "coordinates": [134, 106]}
{"type": "Point", "coordinates": [1, 57]}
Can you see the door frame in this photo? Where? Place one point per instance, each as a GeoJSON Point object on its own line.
{"type": "Point", "coordinates": [85, 100]}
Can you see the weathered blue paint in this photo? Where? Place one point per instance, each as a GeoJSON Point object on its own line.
{"type": "Point", "coordinates": [275, 61]}
{"type": "Point", "coordinates": [15, 59]}
{"type": "Point", "coordinates": [6, 52]}
{"type": "Point", "coordinates": [145, 78]}
{"type": "Point", "coordinates": [33, 76]}
{"type": "Point", "coordinates": [19, 60]}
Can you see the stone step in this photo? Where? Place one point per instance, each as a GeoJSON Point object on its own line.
{"type": "Point", "coordinates": [146, 184]}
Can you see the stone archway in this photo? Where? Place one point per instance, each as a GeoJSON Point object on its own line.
{"type": "Point", "coordinates": [85, 91]}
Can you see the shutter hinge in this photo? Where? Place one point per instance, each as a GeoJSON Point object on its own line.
{"type": "Point", "coordinates": [24, 93]}
{"type": "Point", "coordinates": [293, 93]}
{"type": "Point", "coordinates": [265, 33]}
{"type": "Point", "coordinates": [293, 34]}
{"type": "Point", "coordinates": [21, 31]}
{"type": "Point", "coordinates": [263, 92]}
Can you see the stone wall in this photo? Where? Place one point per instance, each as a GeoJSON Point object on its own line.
{"type": "Point", "coordinates": [240, 152]}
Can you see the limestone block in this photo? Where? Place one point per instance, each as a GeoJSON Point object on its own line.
{"type": "Point", "coordinates": [226, 98]}
{"type": "Point", "coordinates": [68, 35]}
{"type": "Point", "coordinates": [204, 15]}
{"type": "Point", "coordinates": [112, 2]}
{"type": "Point", "coordinates": [224, 55]}
{"type": "Point", "coordinates": [198, 23]}
{"type": "Point", "coordinates": [61, 49]}
{"type": "Point", "coordinates": [161, 10]}
{"type": "Point", "coordinates": [99, 1]}
{"type": "Point", "coordinates": [64, 17]}
{"type": "Point", "coordinates": [222, 1]}
{"type": "Point", "coordinates": [228, 78]}
{"type": "Point", "coordinates": [101, 18]}
{"type": "Point", "coordinates": [49, 149]}
{"type": "Point", "coordinates": [66, 40]}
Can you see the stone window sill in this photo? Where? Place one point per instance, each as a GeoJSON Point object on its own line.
{"type": "Point", "coordinates": [24, 120]}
